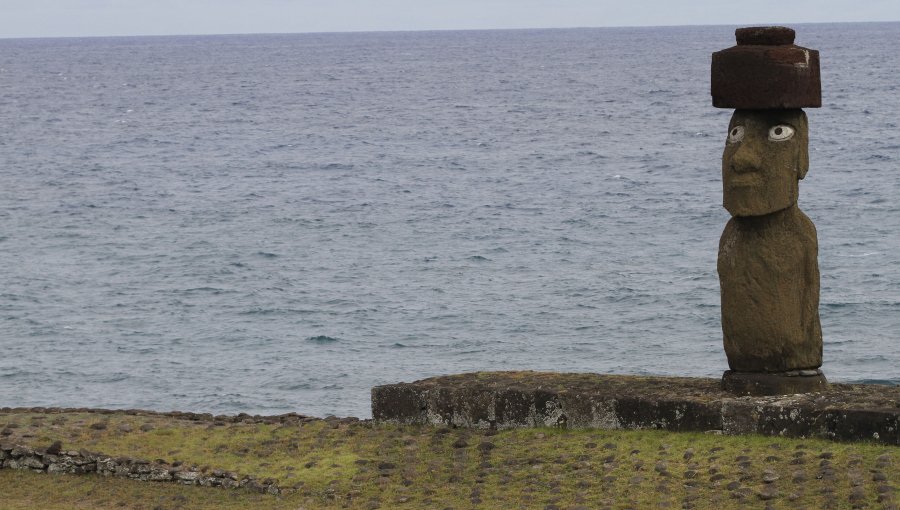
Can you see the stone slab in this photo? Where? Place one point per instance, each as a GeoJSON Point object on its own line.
{"type": "Point", "coordinates": [504, 400]}
{"type": "Point", "coordinates": [761, 384]}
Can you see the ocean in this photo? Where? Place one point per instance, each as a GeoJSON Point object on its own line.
{"type": "Point", "coordinates": [276, 223]}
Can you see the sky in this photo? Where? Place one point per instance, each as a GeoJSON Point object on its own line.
{"type": "Point", "coordinates": [79, 18]}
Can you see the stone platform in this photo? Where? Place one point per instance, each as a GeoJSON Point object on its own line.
{"type": "Point", "coordinates": [548, 399]}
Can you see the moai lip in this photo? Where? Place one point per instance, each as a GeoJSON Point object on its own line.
{"type": "Point", "coordinates": [765, 70]}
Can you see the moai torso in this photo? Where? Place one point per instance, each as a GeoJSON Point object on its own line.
{"type": "Point", "coordinates": [770, 292]}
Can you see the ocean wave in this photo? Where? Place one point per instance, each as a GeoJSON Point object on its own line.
{"type": "Point", "coordinates": [322, 339]}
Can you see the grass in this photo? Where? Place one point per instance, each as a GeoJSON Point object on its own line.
{"type": "Point", "coordinates": [365, 465]}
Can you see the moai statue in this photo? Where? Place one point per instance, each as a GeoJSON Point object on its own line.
{"type": "Point", "coordinates": [768, 269]}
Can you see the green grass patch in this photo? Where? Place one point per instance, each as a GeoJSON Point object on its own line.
{"type": "Point", "coordinates": [366, 465]}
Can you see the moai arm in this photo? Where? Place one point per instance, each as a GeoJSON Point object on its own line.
{"type": "Point", "coordinates": [810, 300]}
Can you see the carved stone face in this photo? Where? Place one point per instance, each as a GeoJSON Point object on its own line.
{"type": "Point", "coordinates": [766, 154]}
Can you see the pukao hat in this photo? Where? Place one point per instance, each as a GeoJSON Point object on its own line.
{"type": "Point", "coordinates": [766, 70]}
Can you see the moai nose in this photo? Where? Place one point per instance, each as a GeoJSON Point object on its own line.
{"type": "Point", "coordinates": [744, 160]}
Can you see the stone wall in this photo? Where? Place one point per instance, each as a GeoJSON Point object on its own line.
{"type": "Point", "coordinates": [57, 460]}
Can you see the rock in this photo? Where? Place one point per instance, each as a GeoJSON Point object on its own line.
{"type": "Point", "coordinates": [31, 462]}
{"type": "Point", "coordinates": [188, 477]}
{"type": "Point", "coordinates": [486, 446]}
{"type": "Point", "coordinates": [54, 448]}
{"type": "Point", "coordinates": [887, 501]}
{"type": "Point", "coordinates": [460, 443]}
{"type": "Point", "coordinates": [124, 427]}
{"type": "Point", "coordinates": [19, 451]}
{"type": "Point", "coordinates": [767, 493]}
{"type": "Point", "coordinates": [857, 494]}
{"type": "Point", "coordinates": [146, 427]}
{"type": "Point", "coordinates": [826, 474]}
{"type": "Point", "coordinates": [100, 425]}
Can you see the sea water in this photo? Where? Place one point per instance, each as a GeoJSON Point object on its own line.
{"type": "Point", "coordinates": [274, 223]}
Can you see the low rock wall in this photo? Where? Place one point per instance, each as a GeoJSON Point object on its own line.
{"type": "Point", "coordinates": [56, 460]}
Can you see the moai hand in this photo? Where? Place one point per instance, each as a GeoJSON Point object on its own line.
{"type": "Point", "coordinates": [768, 270]}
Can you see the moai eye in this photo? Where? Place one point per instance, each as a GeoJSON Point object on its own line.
{"type": "Point", "coordinates": [736, 134]}
{"type": "Point", "coordinates": [781, 133]}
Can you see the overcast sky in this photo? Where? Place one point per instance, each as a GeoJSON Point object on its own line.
{"type": "Point", "coordinates": [54, 18]}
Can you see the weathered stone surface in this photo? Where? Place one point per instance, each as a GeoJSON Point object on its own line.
{"type": "Point", "coordinates": [766, 71]}
{"type": "Point", "coordinates": [756, 383]}
{"type": "Point", "coordinates": [767, 264]}
{"type": "Point", "coordinates": [535, 399]}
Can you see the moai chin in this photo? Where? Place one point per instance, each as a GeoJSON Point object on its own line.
{"type": "Point", "coordinates": [768, 269]}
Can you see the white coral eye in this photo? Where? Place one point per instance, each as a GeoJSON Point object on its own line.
{"type": "Point", "coordinates": [781, 133]}
{"type": "Point", "coordinates": [736, 134]}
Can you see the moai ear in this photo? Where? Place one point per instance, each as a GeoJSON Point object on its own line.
{"type": "Point", "coordinates": [802, 164]}
{"type": "Point", "coordinates": [803, 153]}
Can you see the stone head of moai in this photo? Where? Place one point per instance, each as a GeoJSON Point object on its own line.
{"type": "Point", "coordinates": [764, 159]}
{"type": "Point", "coordinates": [767, 265]}
{"type": "Point", "coordinates": [767, 80]}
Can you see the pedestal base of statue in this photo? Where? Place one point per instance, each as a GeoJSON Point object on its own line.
{"type": "Point", "coordinates": [763, 384]}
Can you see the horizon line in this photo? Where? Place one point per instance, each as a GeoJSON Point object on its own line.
{"type": "Point", "coordinates": [425, 30]}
